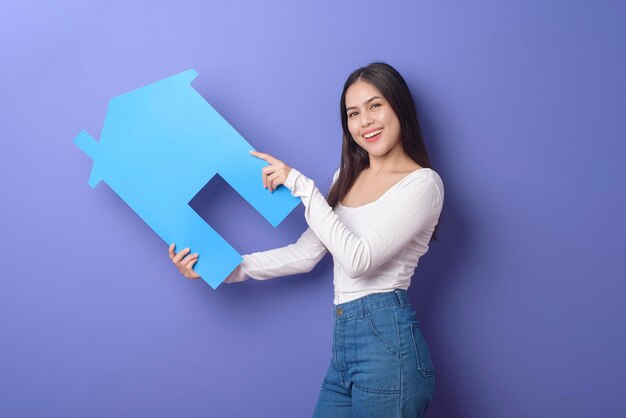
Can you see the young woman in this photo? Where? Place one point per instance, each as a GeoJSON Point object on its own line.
{"type": "Point", "coordinates": [377, 221]}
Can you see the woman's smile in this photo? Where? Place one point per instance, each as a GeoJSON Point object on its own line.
{"type": "Point", "coordinates": [373, 135]}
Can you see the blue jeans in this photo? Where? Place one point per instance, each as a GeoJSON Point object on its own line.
{"type": "Point", "coordinates": [381, 366]}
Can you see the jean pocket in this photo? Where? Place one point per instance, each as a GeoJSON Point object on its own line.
{"type": "Point", "coordinates": [383, 326]}
{"type": "Point", "coordinates": [424, 361]}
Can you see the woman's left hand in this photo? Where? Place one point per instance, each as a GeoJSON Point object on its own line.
{"type": "Point", "coordinates": [274, 174]}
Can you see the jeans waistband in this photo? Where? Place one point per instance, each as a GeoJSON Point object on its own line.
{"type": "Point", "coordinates": [359, 307]}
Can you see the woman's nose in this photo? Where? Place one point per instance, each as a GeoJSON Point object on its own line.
{"type": "Point", "coordinates": [365, 120]}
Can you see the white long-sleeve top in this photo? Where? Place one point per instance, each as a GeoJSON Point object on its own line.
{"type": "Point", "coordinates": [375, 247]}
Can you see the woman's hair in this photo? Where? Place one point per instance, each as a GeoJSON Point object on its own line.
{"type": "Point", "coordinates": [355, 159]}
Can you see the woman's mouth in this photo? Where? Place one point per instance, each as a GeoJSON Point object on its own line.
{"type": "Point", "coordinates": [373, 136]}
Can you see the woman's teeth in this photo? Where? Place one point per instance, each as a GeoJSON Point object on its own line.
{"type": "Point", "coordinates": [371, 134]}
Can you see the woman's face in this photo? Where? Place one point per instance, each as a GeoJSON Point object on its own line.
{"type": "Point", "coordinates": [371, 121]}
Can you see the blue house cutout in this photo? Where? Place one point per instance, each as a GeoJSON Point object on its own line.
{"type": "Point", "coordinates": [161, 144]}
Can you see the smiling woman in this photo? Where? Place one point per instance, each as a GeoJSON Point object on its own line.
{"type": "Point", "coordinates": [368, 117]}
{"type": "Point", "coordinates": [377, 222]}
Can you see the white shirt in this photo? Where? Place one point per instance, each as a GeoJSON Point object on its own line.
{"type": "Point", "coordinates": [375, 247]}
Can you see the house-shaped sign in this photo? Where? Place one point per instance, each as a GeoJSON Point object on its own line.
{"type": "Point", "coordinates": [161, 144]}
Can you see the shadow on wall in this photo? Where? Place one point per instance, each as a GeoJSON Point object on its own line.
{"type": "Point", "coordinates": [438, 272]}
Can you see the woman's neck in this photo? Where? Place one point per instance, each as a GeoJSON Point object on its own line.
{"type": "Point", "coordinates": [392, 162]}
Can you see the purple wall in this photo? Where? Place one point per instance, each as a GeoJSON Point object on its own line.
{"type": "Point", "coordinates": [521, 301]}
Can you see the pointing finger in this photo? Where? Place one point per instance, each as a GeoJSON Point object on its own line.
{"type": "Point", "coordinates": [264, 156]}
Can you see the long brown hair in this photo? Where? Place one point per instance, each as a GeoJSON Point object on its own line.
{"type": "Point", "coordinates": [355, 159]}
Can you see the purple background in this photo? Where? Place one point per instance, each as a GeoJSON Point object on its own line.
{"type": "Point", "coordinates": [521, 300]}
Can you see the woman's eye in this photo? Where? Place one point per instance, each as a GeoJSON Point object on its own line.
{"type": "Point", "coordinates": [375, 105]}
{"type": "Point", "coordinates": [352, 114]}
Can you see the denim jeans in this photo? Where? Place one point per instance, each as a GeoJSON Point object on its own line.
{"type": "Point", "coordinates": [381, 366]}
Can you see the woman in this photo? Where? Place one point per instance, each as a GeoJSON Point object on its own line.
{"type": "Point", "coordinates": [381, 212]}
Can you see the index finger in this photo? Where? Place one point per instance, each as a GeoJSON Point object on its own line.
{"type": "Point", "coordinates": [265, 156]}
{"type": "Point", "coordinates": [171, 250]}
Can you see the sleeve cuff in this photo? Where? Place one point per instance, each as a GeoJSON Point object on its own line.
{"type": "Point", "coordinates": [238, 274]}
{"type": "Point", "coordinates": [290, 183]}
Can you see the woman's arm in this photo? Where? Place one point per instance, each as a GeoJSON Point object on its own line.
{"type": "Point", "coordinates": [299, 257]}
{"type": "Point", "coordinates": [415, 205]}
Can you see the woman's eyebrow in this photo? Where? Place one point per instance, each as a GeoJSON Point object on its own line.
{"type": "Point", "coordinates": [366, 102]}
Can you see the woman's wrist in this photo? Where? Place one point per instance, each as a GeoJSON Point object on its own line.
{"type": "Point", "coordinates": [291, 179]}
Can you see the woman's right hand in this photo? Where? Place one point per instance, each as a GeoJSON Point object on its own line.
{"type": "Point", "coordinates": [184, 262]}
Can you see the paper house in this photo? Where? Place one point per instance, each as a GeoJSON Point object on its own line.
{"type": "Point", "coordinates": [161, 144]}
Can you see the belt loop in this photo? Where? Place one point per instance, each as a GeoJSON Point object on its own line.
{"type": "Point", "coordinates": [400, 298]}
{"type": "Point", "coordinates": [359, 309]}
